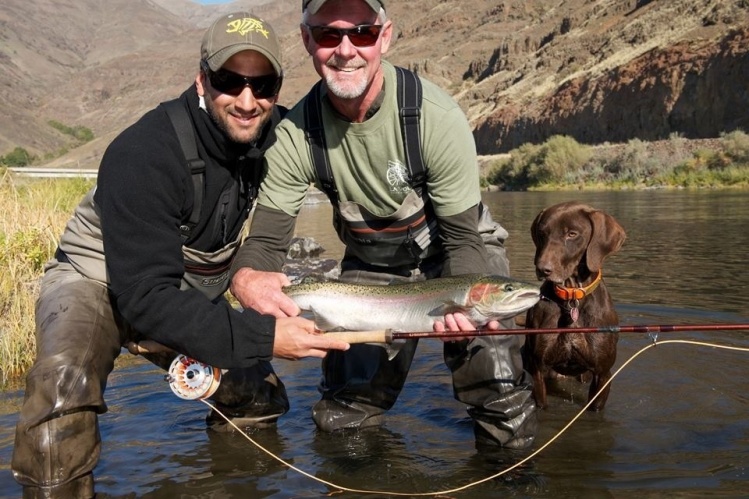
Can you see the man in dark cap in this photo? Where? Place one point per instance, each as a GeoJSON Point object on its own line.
{"type": "Point", "coordinates": [146, 257]}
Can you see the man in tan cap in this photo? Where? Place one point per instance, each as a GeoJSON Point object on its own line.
{"type": "Point", "coordinates": [145, 257]}
{"type": "Point", "coordinates": [401, 220]}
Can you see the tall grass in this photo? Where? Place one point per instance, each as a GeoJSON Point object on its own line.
{"type": "Point", "coordinates": [34, 213]}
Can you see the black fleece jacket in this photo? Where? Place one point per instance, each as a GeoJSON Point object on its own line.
{"type": "Point", "coordinates": [144, 193]}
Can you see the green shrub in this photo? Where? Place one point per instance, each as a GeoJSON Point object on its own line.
{"type": "Point", "coordinates": [633, 162]}
{"type": "Point", "coordinates": [18, 157]}
{"type": "Point", "coordinates": [736, 146]}
{"type": "Point", "coordinates": [513, 173]}
{"type": "Point", "coordinates": [557, 158]}
{"type": "Point", "coordinates": [80, 133]}
{"type": "Point", "coordinates": [533, 165]}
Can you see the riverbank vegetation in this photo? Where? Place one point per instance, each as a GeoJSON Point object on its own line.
{"type": "Point", "coordinates": [20, 157]}
{"type": "Point", "coordinates": [563, 163]}
{"type": "Point", "coordinates": [34, 214]}
{"type": "Point", "coordinates": [35, 211]}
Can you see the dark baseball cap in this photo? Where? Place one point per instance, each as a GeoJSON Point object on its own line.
{"type": "Point", "coordinates": [238, 31]}
{"type": "Point", "coordinates": [314, 5]}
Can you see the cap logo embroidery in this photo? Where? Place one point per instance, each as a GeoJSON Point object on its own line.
{"type": "Point", "coordinates": [245, 25]}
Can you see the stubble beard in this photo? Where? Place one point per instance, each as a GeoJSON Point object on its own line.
{"type": "Point", "coordinates": [238, 136]}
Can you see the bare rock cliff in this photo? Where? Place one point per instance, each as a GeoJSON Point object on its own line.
{"type": "Point", "coordinates": [697, 89]}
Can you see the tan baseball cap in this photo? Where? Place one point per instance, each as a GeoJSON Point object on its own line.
{"type": "Point", "coordinates": [314, 5]}
{"type": "Point", "coordinates": [236, 32]}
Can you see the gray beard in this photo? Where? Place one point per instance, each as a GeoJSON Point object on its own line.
{"type": "Point", "coordinates": [346, 93]}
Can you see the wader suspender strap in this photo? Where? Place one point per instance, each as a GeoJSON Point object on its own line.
{"type": "Point", "coordinates": [409, 105]}
{"type": "Point", "coordinates": [186, 135]}
{"type": "Point", "coordinates": [316, 139]}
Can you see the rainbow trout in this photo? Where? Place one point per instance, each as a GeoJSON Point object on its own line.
{"type": "Point", "coordinates": [413, 306]}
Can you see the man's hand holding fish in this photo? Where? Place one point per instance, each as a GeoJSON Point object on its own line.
{"type": "Point", "coordinates": [263, 291]}
{"type": "Point", "coordinates": [459, 322]}
{"type": "Point", "coordinates": [290, 346]}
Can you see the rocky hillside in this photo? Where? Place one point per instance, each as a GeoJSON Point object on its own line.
{"type": "Point", "coordinates": [599, 70]}
{"type": "Point", "coordinates": [674, 67]}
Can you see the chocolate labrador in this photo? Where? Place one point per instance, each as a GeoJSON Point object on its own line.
{"type": "Point", "coordinates": [572, 240]}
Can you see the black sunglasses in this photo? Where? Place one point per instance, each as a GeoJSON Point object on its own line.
{"type": "Point", "coordinates": [231, 83]}
{"type": "Point", "coordinates": [364, 35]}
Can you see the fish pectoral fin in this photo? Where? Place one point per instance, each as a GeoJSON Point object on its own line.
{"type": "Point", "coordinates": [448, 307]}
{"type": "Point", "coordinates": [392, 349]}
{"type": "Point", "coordinates": [323, 324]}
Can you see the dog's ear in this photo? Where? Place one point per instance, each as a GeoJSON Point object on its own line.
{"type": "Point", "coordinates": [607, 238]}
{"type": "Point", "coordinates": [534, 228]}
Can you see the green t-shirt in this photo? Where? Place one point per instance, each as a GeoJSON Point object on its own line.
{"type": "Point", "coordinates": [368, 159]}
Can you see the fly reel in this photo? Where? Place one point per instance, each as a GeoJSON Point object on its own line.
{"type": "Point", "coordinates": [190, 379]}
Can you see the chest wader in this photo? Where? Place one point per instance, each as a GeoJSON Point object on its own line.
{"type": "Point", "coordinates": [250, 397]}
{"type": "Point", "coordinates": [359, 385]}
{"type": "Point", "coordinates": [57, 443]}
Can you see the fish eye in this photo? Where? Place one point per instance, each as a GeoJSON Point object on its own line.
{"type": "Point", "coordinates": [509, 287]}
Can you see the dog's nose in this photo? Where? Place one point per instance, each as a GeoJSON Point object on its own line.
{"type": "Point", "coordinates": [543, 270]}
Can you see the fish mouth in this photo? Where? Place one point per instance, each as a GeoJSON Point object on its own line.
{"type": "Point", "coordinates": [518, 304]}
{"type": "Point", "coordinates": [528, 299]}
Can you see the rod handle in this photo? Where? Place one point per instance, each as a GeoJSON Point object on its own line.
{"type": "Point", "coordinates": [374, 336]}
{"type": "Point", "coordinates": [145, 347]}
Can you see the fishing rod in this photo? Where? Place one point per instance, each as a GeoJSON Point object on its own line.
{"type": "Point", "coordinates": [190, 379]}
{"type": "Point", "coordinates": [391, 335]}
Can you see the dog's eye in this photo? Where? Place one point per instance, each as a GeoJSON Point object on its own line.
{"type": "Point", "coordinates": [571, 234]}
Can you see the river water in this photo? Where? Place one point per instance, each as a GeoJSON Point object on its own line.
{"type": "Point", "coordinates": [676, 423]}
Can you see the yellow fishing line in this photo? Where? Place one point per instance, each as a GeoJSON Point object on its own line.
{"type": "Point", "coordinates": [496, 475]}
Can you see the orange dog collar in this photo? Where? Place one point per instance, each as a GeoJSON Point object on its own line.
{"type": "Point", "coordinates": [569, 294]}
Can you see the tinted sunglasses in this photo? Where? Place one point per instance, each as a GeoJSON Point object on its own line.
{"type": "Point", "coordinates": [231, 83]}
{"type": "Point", "coordinates": [364, 35]}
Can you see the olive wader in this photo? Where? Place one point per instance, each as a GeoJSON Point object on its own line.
{"type": "Point", "coordinates": [359, 385]}
{"type": "Point", "coordinates": [79, 334]}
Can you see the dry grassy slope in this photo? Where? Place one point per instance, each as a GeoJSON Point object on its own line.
{"type": "Point", "coordinates": [49, 46]}
{"type": "Point", "coordinates": [511, 64]}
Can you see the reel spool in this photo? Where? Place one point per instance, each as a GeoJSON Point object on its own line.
{"type": "Point", "coordinates": [190, 379]}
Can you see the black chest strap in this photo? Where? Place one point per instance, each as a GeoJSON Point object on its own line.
{"type": "Point", "coordinates": [187, 140]}
{"type": "Point", "coordinates": [409, 105]}
{"type": "Point", "coordinates": [315, 134]}
{"type": "Point", "coordinates": [409, 94]}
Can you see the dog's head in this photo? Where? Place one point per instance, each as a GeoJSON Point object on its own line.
{"type": "Point", "coordinates": [572, 237]}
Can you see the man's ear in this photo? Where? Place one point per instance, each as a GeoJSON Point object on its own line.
{"type": "Point", "coordinates": [306, 38]}
{"type": "Point", "coordinates": [200, 83]}
{"type": "Point", "coordinates": [386, 36]}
